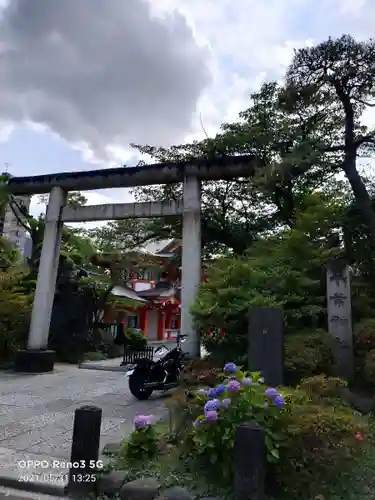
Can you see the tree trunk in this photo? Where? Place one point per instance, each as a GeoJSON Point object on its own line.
{"type": "Point", "coordinates": [361, 195]}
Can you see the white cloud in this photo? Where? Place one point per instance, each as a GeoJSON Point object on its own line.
{"type": "Point", "coordinates": [105, 73]}
{"type": "Point", "coordinates": [100, 72]}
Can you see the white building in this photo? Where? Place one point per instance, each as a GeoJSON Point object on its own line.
{"type": "Point", "coordinates": [12, 229]}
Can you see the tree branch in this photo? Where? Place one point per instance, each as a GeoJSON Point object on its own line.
{"type": "Point", "coordinates": [369, 104]}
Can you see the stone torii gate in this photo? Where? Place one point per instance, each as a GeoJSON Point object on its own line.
{"type": "Point", "coordinates": [36, 357]}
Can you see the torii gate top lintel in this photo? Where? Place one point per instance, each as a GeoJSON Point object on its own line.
{"type": "Point", "coordinates": [228, 167]}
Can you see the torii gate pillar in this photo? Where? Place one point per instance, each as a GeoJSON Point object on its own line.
{"type": "Point", "coordinates": [191, 262]}
{"type": "Point", "coordinates": [37, 358]}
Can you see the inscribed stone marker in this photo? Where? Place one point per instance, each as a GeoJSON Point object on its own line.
{"type": "Point", "coordinates": [266, 343]}
{"type": "Point", "coordinates": [340, 316]}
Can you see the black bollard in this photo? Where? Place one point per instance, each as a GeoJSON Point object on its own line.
{"type": "Point", "coordinates": [249, 462]}
{"type": "Point", "coordinates": [85, 450]}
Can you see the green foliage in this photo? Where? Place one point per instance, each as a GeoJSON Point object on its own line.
{"type": "Point", "coordinates": [9, 256]}
{"type": "Point", "coordinates": [135, 338]}
{"type": "Point", "coordinates": [312, 441]}
{"type": "Point", "coordinates": [369, 367]}
{"type": "Point", "coordinates": [321, 388]}
{"type": "Point", "coordinates": [241, 399]}
{"type": "Point", "coordinates": [307, 354]}
{"type": "Point", "coordinates": [15, 311]}
{"type": "Point", "coordinates": [142, 444]}
{"type": "Point", "coordinates": [364, 349]}
{"type": "Point", "coordinates": [286, 271]}
{"type": "Point", "coordinates": [364, 336]}
{"type": "Point", "coordinates": [94, 356]}
{"type": "Point", "coordinates": [320, 443]}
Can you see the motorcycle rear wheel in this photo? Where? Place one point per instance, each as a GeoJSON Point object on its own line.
{"type": "Point", "coordinates": [137, 387]}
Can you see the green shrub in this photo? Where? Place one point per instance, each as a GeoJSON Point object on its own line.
{"type": "Point", "coordinates": [369, 367]}
{"type": "Point", "coordinates": [15, 312]}
{"type": "Point", "coordinates": [135, 338]}
{"type": "Point", "coordinates": [364, 345]}
{"type": "Point", "coordinates": [94, 356]}
{"type": "Point", "coordinates": [309, 443]}
{"type": "Point", "coordinates": [143, 441]}
{"type": "Point", "coordinates": [320, 443]}
{"type": "Point", "coordinates": [324, 389]}
{"type": "Point", "coordinates": [239, 399]}
{"type": "Point", "coordinates": [307, 354]}
{"type": "Point", "coordinates": [364, 336]}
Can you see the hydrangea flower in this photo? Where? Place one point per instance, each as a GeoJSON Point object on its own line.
{"type": "Point", "coordinates": [141, 421]}
{"type": "Point", "coordinates": [246, 382]}
{"type": "Point", "coordinates": [234, 386]}
{"type": "Point", "coordinates": [227, 380]}
{"type": "Point", "coordinates": [211, 416]}
{"type": "Point", "coordinates": [211, 405]}
{"type": "Point", "coordinates": [279, 401]}
{"type": "Point", "coordinates": [271, 393]}
{"type": "Point", "coordinates": [225, 402]}
{"type": "Point", "coordinates": [211, 393]}
{"type": "Point", "coordinates": [220, 389]}
{"type": "Point", "coordinates": [197, 423]}
{"type": "Point", "coordinates": [230, 368]}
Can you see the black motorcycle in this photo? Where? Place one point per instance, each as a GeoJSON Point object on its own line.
{"type": "Point", "coordinates": [147, 376]}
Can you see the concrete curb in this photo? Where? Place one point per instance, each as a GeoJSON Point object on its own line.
{"type": "Point", "coordinates": [33, 486]}
{"type": "Point", "coordinates": [84, 366]}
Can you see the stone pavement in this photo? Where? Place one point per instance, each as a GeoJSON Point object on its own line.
{"type": "Point", "coordinates": [12, 494]}
{"type": "Point", "coordinates": [37, 412]}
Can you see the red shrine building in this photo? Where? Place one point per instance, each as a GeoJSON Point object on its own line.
{"type": "Point", "coordinates": [150, 277]}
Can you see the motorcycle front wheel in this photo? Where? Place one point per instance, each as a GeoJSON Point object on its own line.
{"type": "Point", "coordinates": [137, 386]}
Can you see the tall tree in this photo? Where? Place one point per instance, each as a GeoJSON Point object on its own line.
{"type": "Point", "coordinates": [336, 78]}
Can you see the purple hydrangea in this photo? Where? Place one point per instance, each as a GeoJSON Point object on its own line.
{"type": "Point", "coordinates": [211, 405]}
{"type": "Point", "coordinates": [220, 389]}
{"type": "Point", "coordinates": [197, 423]}
{"type": "Point", "coordinates": [141, 421]}
{"type": "Point", "coordinates": [279, 401]}
{"type": "Point", "coordinates": [246, 382]}
{"type": "Point", "coordinates": [225, 402]}
{"type": "Point", "coordinates": [227, 380]}
{"type": "Point", "coordinates": [230, 368]}
{"type": "Point", "coordinates": [211, 416]}
{"type": "Point", "coordinates": [271, 393]}
{"type": "Point", "coordinates": [234, 386]}
{"type": "Point", "coordinates": [211, 393]}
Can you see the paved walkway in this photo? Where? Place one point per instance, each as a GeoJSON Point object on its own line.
{"type": "Point", "coordinates": [37, 412]}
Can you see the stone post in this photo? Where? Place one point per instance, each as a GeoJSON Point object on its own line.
{"type": "Point", "coordinates": [191, 261]}
{"type": "Point", "coordinates": [85, 450]}
{"type": "Point", "coordinates": [37, 358]}
{"type": "Point", "coordinates": [266, 343]}
{"type": "Point", "coordinates": [249, 463]}
{"type": "Point", "coordinates": [340, 316]}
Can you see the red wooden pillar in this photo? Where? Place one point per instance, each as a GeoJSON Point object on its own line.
{"type": "Point", "coordinates": [143, 320]}
{"type": "Point", "coordinates": [161, 325]}
{"type": "Point", "coordinates": [168, 320]}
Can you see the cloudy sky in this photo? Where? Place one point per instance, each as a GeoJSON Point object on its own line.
{"type": "Point", "coordinates": [80, 80]}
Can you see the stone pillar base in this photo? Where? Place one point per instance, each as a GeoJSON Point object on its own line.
{"type": "Point", "coordinates": [34, 361]}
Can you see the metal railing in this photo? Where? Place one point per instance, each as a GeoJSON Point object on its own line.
{"type": "Point", "coordinates": [132, 355]}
